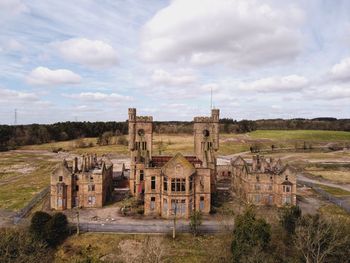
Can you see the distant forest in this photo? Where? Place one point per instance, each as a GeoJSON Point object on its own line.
{"type": "Point", "coordinates": [18, 135]}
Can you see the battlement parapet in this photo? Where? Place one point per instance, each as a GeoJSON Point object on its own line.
{"type": "Point", "coordinates": [144, 118]}
{"type": "Point", "coordinates": [203, 119]}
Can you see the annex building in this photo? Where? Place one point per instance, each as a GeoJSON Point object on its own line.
{"type": "Point", "coordinates": [262, 181]}
{"type": "Point", "coordinates": [177, 184]}
{"type": "Point", "coordinates": [86, 182]}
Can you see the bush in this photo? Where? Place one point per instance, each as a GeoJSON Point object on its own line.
{"type": "Point", "coordinates": [37, 225]}
{"type": "Point", "coordinates": [56, 229]}
{"type": "Point", "coordinates": [18, 245]}
{"type": "Point", "coordinates": [289, 217]}
{"type": "Point", "coordinates": [251, 236]}
{"type": "Point", "coordinates": [49, 229]}
{"type": "Point", "coordinates": [122, 140]}
{"type": "Point", "coordinates": [195, 222]}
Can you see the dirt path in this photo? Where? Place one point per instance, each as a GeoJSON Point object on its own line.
{"type": "Point", "coordinates": [345, 187]}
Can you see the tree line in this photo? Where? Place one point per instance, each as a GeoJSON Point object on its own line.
{"type": "Point", "coordinates": [12, 136]}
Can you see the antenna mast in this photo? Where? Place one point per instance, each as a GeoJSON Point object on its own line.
{"type": "Point", "coordinates": [211, 98]}
{"type": "Point", "coordinates": [15, 117]}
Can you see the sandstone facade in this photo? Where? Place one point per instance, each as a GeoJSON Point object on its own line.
{"type": "Point", "coordinates": [263, 182]}
{"type": "Point", "coordinates": [173, 185]}
{"type": "Point", "coordinates": [87, 182]}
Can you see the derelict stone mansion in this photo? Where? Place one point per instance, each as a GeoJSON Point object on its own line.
{"type": "Point", "coordinates": [173, 185]}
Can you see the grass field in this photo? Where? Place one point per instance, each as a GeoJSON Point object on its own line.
{"type": "Point", "coordinates": [336, 176]}
{"type": "Point", "coordinates": [334, 190]}
{"type": "Point", "coordinates": [301, 135]}
{"type": "Point", "coordinates": [229, 143]}
{"type": "Point", "coordinates": [333, 211]}
{"type": "Point", "coordinates": [21, 177]}
{"type": "Point", "coordinates": [92, 247]}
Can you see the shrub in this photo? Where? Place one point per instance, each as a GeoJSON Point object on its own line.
{"type": "Point", "coordinates": [195, 222]}
{"type": "Point", "coordinates": [37, 224]}
{"type": "Point", "coordinates": [56, 229]}
{"type": "Point", "coordinates": [289, 217]}
{"type": "Point", "coordinates": [122, 140]}
{"type": "Point", "coordinates": [251, 236]}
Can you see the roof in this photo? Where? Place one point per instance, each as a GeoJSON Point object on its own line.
{"type": "Point", "coordinates": [160, 161]}
{"type": "Point", "coordinates": [179, 161]}
{"type": "Point", "coordinates": [239, 161]}
{"type": "Point", "coordinates": [287, 183]}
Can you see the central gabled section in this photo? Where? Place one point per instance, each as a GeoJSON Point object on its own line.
{"type": "Point", "coordinates": [178, 166]}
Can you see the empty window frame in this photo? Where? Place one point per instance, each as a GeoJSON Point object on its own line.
{"type": "Point", "coordinates": [287, 200]}
{"type": "Point", "coordinates": [165, 206]}
{"type": "Point", "coordinates": [201, 203]}
{"type": "Point", "coordinates": [178, 185]}
{"type": "Point", "coordinates": [257, 198]}
{"type": "Point", "coordinates": [153, 183]}
{"type": "Point", "coordinates": [91, 187]}
{"type": "Point", "coordinates": [165, 183]}
{"type": "Point", "coordinates": [153, 203]}
{"type": "Point", "coordinates": [142, 174]}
{"type": "Point", "coordinates": [287, 188]}
{"type": "Point", "coordinates": [91, 200]}
{"type": "Point", "coordinates": [183, 207]}
{"type": "Point", "coordinates": [60, 178]}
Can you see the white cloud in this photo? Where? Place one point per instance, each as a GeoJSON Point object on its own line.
{"type": "Point", "coordinates": [341, 71]}
{"type": "Point", "coordinates": [9, 8]}
{"type": "Point", "coordinates": [92, 53]}
{"type": "Point", "coordinates": [7, 95]}
{"type": "Point", "coordinates": [335, 92]}
{"type": "Point", "coordinates": [46, 76]}
{"type": "Point", "coordinates": [12, 45]}
{"type": "Point", "coordinates": [180, 77]}
{"type": "Point", "coordinates": [289, 83]}
{"type": "Point", "coordinates": [210, 87]}
{"type": "Point", "coordinates": [99, 97]}
{"type": "Point", "coordinates": [240, 33]}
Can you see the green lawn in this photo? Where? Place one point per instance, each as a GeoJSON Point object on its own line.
{"type": "Point", "coordinates": [334, 190]}
{"type": "Point", "coordinates": [301, 135]}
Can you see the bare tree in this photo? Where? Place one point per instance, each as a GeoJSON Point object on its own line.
{"type": "Point", "coordinates": [153, 250]}
{"type": "Point", "coordinates": [318, 239]}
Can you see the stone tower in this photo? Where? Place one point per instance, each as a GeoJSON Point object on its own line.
{"type": "Point", "coordinates": [140, 147]}
{"type": "Point", "coordinates": [206, 138]}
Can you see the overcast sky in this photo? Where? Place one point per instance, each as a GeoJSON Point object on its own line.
{"type": "Point", "coordinates": [91, 60]}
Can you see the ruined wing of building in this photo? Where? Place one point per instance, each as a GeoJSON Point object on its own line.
{"type": "Point", "coordinates": [262, 181]}
{"type": "Point", "coordinates": [87, 182]}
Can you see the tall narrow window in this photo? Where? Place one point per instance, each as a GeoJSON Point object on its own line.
{"type": "Point", "coordinates": [191, 182]}
{"type": "Point", "coordinates": [173, 187]}
{"type": "Point", "coordinates": [60, 178]}
{"type": "Point", "coordinates": [165, 183]}
{"type": "Point", "coordinates": [183, 185]}
{"type": "Point", "coordinates": [178, 184]}
{"type": "Point", "coordinates": [165, 206]}
{"type": "Point", "coordinates": [91, 187]}
{"type": "Point", "coordinates": [201, 203]}
{"type": "Point", "coordinates": [153, 203]}
{"type": "Point", "coordinates": [153, 183]}
{"type": "Point", "coordinates": [286, 188]}
{"type": "Point", "coordinates": [141, 175]}
{"type": "Point", "coordinates": [183, 207]}
{"type": "Point", "coordinates": [91, 200]}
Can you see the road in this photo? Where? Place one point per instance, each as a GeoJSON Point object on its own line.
{"type": "Point", "coordinates": [302, 177]}
{"type": "Point", "coordinates": [153, 228]}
